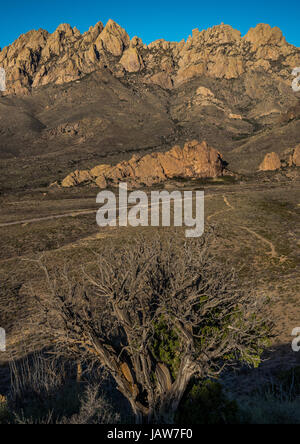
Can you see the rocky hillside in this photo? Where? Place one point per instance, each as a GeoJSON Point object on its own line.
{"type": "Point", "coordinates": [77, 100]}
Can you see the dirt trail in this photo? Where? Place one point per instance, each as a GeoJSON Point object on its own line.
{"type": "Point", "coordinates": [74, 213]}
{"type": "Point", "coordinates": [71, 213]}
{"type": "Point", "coordinates": [273, 253]}
{"type": "Point", "coordinates": [222, 211]}
{"type": "Point", "coordinates": [228, 203]}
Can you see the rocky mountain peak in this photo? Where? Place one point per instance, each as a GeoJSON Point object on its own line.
{"type": "Point", "coordinates": [39, 58]}
{"type": "Point", "coordinates": [221, 34]}
{"type": "Point", "coordinates": [113, 39]}
{"type": "Point", "coordinates": [66, 28]}
{"type": "Point", "coordinates": [264, 34]}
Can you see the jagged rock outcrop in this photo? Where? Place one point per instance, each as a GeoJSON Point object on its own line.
{"type": "Point", "coordinates": [162, 79]}
{"type": "Point", "coordinates": [38, 58]}
{"type": "Point", "coordinates": [289, 158]}
{"type": "Point", "coordinates": [271, 162]}
{"type": "Point", "coordinates": [194, 160]}
{"type": "Point", "coordinates": [96, 96]}
{"type": "Point", "coordinates": [113, 38]}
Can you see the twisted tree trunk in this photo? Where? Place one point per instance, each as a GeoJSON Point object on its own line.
{"type": "Point", "coordinates": [173, 397]}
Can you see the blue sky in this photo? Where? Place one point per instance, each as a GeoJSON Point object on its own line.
{"type": "Point", "coordinates": [171, 20]}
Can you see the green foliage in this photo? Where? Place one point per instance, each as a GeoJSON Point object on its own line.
{"type": "Point", "coordinates": [217, 325]}
{"type": "Point", "coordinates": [206, 403]}
{"type": "Point", "coordinates": [166, 346]}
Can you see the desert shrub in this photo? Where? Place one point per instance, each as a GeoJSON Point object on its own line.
{"type": "Point", "coordinates": [40, 389]}
{"type": "Point", "coordinates": [35, 375]}
{"type": "Point", "coordinates": [206, 403]}
{"type": "Point", "coordinates": [45, 391]}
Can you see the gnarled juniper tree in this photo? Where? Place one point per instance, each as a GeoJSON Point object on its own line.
{"type": "Point", "coordinates": [156, 314]}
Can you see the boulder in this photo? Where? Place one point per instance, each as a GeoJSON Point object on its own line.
{"type": "Point", "coordinates": [204, 92]}
{"type": "Point", "coordinates": [296, 156]}
{"type": "Point", "coordinates": [263, 34]}
{"type": "Point", "coordinates": [101, 182]}
{"type": "Point", "coordinates": [271, 162]}
{"type": "Point", "coordinates": [100, 170]}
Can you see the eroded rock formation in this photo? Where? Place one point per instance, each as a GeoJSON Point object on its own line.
{"type": "Point", "coordinates": [194, 160]}
{"type": "Point", "coordinates": [38, 58]}
{"type": "Point", "coordinates": [289, 158]}
{"type": "Point", "coordinates": [271, 162]}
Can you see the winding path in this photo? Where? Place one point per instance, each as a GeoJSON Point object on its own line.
{"type": "Point", "coordinates": [273, 253]}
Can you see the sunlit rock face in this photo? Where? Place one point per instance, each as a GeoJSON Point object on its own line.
{"type": "Point", "coordinates": [194, 160]}
{"type": "Point", "coordinates": [38, 58]}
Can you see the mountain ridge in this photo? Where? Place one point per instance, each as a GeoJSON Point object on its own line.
{"type": "Point", "coordinates": [77, 100]}
{"type": "Point", "coordinates": [38, 57]}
